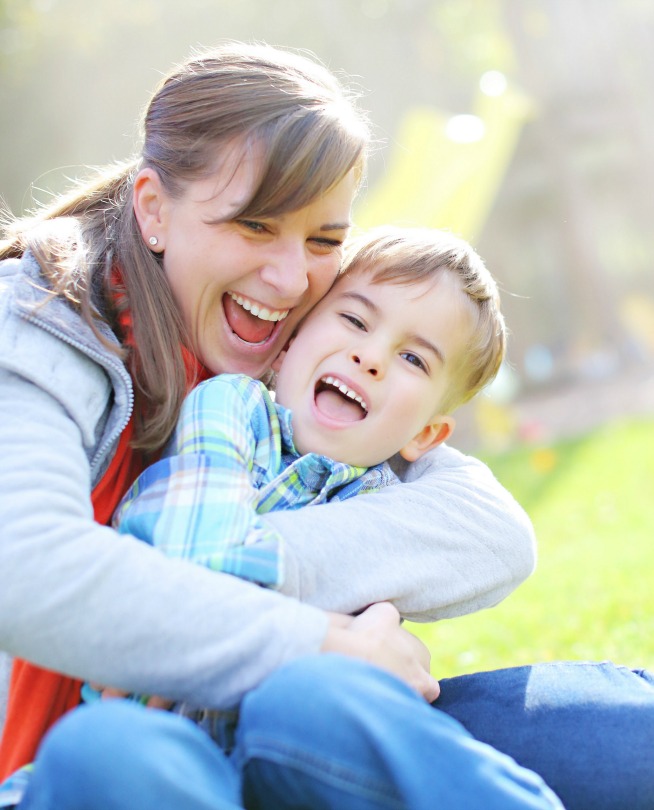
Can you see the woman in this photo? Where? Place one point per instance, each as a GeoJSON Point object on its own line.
{"type": "Point", "coordinates": [201, 257]}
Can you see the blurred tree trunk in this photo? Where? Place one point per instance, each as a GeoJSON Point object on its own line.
{"type": "Point", "coordinates": [574, 96]}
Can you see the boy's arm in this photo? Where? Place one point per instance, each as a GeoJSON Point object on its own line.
{"type": "Point", "coordinates": [449, 541]}
{"type": "Point", "coordinates": [198, 503]}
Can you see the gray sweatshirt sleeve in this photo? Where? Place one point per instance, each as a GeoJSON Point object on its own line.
{"type": "Point", "coordinates": [449, 541]}
{"type": "Point", "coordinates": [79, 598]}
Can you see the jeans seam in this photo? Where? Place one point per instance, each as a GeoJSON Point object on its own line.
{"type": "Point", "coordinates": [335, 775]}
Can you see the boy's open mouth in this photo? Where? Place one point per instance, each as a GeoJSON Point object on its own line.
{"type": "Point", "coordinates": [250, 321]}
{"type": "Point", "coordinates": [335, 400]}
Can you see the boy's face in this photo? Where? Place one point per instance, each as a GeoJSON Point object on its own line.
{"type": "Point", "coordinates": [391, 349]}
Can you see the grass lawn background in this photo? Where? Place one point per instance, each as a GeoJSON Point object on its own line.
{"type": "Point", "coordinates": [591, 500]}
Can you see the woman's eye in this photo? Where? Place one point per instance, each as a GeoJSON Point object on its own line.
{"type": "Point", "coordinates": [252, 225]}
{"type": "Point", "coordinates": [357, 322]}
{"type": "Point", "coordinates": [327, 244]}
{"type": "Point", "coordinates": [414, 360]}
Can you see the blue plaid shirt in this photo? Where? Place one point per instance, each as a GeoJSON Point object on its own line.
{"type": "Point", "coordinates": [231, 460]}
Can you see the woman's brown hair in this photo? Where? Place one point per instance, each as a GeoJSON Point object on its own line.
{"type": "Point", "coordinates": [305, 127]}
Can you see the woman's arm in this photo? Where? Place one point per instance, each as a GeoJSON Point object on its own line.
{"type": "Point", "coordinates": [79, 598]}
{"type": "Point", "coordinates": [449, 541]}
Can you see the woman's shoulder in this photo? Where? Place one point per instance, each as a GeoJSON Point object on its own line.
{"type": "Point", "coordinates": [44, 341]}
{"type": "Point", "coordinates": [29, 307]}
{"type": "Point", "coordinates": [16, 273]}
{"type": "Point", "coordinates": [24, 291]}
{"type": "Point", "coordinates": [19, 291]}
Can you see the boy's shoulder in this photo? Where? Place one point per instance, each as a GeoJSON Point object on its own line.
{"type": "Point", "coordinates": [235, 396]}
{"type": "Point", "coordinates": [228, 405]}
{"type": "Point", "coordinates": [230, 386]}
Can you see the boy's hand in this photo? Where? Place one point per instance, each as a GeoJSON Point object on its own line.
{"type": "Point", "coordinates": [108, 692]}
{"type": "Point", "coordinates": [155, 702]}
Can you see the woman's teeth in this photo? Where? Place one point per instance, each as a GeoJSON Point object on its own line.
{"type": "Point", "coordinates": [348, 392]}
{"type": "Point", "coordinates": [260, 312]}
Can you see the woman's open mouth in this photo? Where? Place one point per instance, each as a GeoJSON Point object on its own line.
{"type": "Point", "coordinates": [336, 400]}
{"type": "Point", "coordinates": [250, 321]}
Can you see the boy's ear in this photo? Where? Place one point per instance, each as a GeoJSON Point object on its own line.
{"type": "Point", "coordinates": [149, 201]}
{"type": "Point", "coordinates": [430, 436]}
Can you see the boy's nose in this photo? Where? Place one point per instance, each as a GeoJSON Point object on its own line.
{"type": "Point", "coordinates": [369, 366]}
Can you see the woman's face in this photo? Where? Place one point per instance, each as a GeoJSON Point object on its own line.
{"type": "Point", "coordinates": [243, 285]}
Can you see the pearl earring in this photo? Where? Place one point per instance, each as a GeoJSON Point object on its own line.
{"type": "Point", "coordinates": [153, 241]}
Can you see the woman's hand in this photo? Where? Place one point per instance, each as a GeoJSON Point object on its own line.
{"type": "Point", "coordinates": [376, 636]}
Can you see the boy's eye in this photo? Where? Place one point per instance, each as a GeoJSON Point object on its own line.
{"type": "Point", "coordinates": [357, 322]}
{"type": "Point", "coordinates": [414, 360]}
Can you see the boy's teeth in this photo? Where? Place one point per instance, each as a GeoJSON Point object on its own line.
{"type": "Point", "coordinates": [259, 312]}
{"type": "Point", "coordinates": [348, 392]}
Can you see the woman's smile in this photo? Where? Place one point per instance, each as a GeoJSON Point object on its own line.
{"type": "Point", "coordinates": [250, 321]}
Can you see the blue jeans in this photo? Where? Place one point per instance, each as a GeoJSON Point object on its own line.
{"type": "Point", "coordinates": [332, 732]}
{"type": "Point", "coordinates": [586, 728]}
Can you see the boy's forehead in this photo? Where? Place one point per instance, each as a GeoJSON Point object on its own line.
{"type": "Point", "coordinates": [434, 290]}
{"type": "Point", "coordinates": [371, 275]}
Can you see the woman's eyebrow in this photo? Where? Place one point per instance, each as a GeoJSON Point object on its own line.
{"type": "Point", "coordinates": [336, 226]}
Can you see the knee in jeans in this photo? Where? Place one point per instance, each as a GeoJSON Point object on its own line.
{"type": "Point", "coordinates": [102, 730]}
{"type": "Point", "coordinates": [320, 686]}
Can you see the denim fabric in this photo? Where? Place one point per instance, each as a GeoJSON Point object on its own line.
{"type": "Point", "coordinates": [586, 728]}
{"type": "Point", "coordinates": [330, 732]}
{"type": "Point", "coordinates": [322, 732]}
{"type": "Point", "coordinates": [117, 754]}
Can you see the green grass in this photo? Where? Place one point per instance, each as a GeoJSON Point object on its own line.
{"type": "Point", "coordinates": [592, 597]}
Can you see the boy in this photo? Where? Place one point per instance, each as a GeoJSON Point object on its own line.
{"type": "Point", "coordinates": [410, 330]}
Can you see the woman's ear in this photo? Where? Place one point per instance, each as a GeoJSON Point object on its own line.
{"type": "Point", "coordinates": [149, 201]}
{"type": "Point", "coordinates": [430, 436]}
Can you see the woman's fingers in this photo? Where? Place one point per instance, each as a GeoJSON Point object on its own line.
{"type": "Point", "coordinates": [376, 636]}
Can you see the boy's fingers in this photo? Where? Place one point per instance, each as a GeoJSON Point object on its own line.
{"type": "Point", "coordinates": [108, 692]}
{"type": "Point", "coordinates": [159, 703]}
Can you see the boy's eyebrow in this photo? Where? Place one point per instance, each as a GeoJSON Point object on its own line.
{"type": "Point", "coordinates": [362, 299]}
{"type": "Point", "coordinates": [413, 337]}
{"type": "Point", "coordinates": [427, 344]}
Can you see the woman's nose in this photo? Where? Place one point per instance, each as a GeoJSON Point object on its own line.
{"type": "Point", "coordinates": [287, 273]}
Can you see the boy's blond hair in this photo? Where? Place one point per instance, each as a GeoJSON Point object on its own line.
{"type": "Point", "coordinates": [413, 255]}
